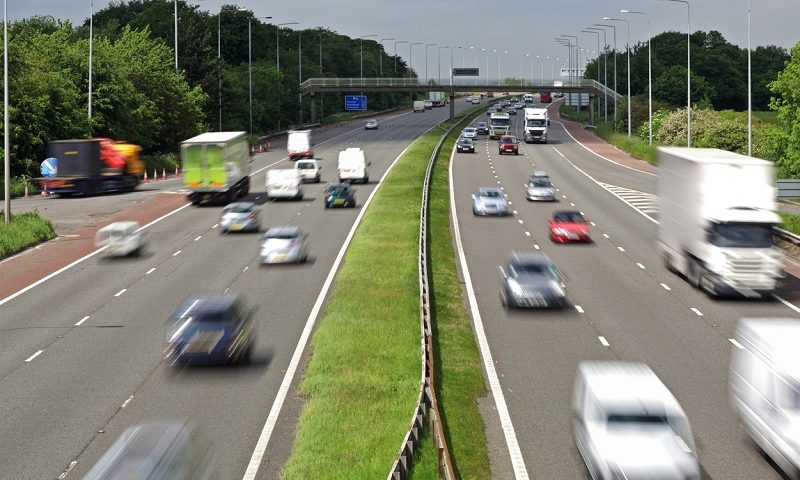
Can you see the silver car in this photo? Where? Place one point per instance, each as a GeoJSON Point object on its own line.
{"type": "Point", "coordinates": [530, 280]}
{"type": "Point", "coordinates": [540, 189]}
{"type": "Point", "coordinates": [240, 216]}
{"type": "Point", "coordinates": [285, 244]}
{"type": "Point", "coordinates": [489, 201]}
{"type": "Point", "coordinates": [469, 132]}
{"type": "Point", "coordinates": [371, 125]}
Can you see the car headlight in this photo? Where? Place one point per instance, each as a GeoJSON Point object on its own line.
{"type": "Point", "coordinates": [557, 289]}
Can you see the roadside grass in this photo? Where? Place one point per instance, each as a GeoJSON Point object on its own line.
{"type": "Point", "coordinates": [362, 381]}
{"type": "Point", "coordinates": [24, 230]}
{"type": "Point", "coordinates": [791, 222]}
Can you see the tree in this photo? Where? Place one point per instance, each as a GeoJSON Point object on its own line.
{"type": "Point", "coordinates": [670, 87]}
{"type": "Point", "coordinates": [786, 101]}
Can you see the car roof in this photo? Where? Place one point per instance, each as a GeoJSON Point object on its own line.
{"type": "Point", "coordinates": [239, 204]}
{"type": "Point", "coordinates": [529, 258]}
{"type": "Point", "coordinates": [284, 230]}
{"type": "Point", "coordinates": [124, 225]}
{"type": "Point", "coordinates": [507, 137]}
{"type": "Point", "coordinates": [206, 305]}
{"type": "Point", "coordinates": [469, 128]}
{"type": "Point", "coordinates": [482, 190]}
{"type": "Point", "coordinates": [631, 386]}
{"type": "Point", "coordinates": [344, 185]}
{"type": "Point", "coordinates": [465, 140]}
{"type": "Point", "coordinates": [540, 173]}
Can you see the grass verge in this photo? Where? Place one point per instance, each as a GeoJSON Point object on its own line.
{"type": "Point", "coordinates": [791, 222]}
{"type": "Point", "coordinates": [26, 229]}
{"type": "Point", "coordinates": [363, 378]}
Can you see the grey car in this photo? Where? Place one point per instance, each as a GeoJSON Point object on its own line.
{"type": "Point", "coordinates": [469, 132]}
{"type": "Point", "coordinates": [531, 280]}
{"type": "Point", "coordinates": [540, 189]}
{"type": "Point", "coordinates": [286, 244]}
{"type": "Point", "coordinates": [465, 145]}
{"type": "Point", "coordinates": [482, 128]}
{"type": "Point", "coordinates": [489, 201]}
{"type": "Point", "coordinates": [240, 216]}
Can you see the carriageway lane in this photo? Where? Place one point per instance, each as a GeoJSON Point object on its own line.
{"type": "Point", "coordinates": [619, 300]}
{"type": "Point", "coordinates": [55, 405]}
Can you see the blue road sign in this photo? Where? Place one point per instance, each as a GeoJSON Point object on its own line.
{"type": "Point", "coordinates": [355, 102]}
{"type": "Point", "coordinates": [49, 167]}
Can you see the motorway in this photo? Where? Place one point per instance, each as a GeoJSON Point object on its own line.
{"type": "Point", "coordinates": [81, 354]}
{"type": "Point", "coordinates": [625, 306]}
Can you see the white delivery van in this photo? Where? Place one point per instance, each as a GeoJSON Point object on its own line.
{"type": "Point", "coordinates": [298, 144]}
{"type": "Point", "coordinates": [309, 170]}
{"type": "Point", "coordinates": [284, 183]}
{"type": "Point", "coordinates": [419, 106]}
{"type": "Point", "coordinates": [120, 239]}
{"type": "Point", "coordinates": [353, 166]}
{"type": "Point", "coordinates": [628, 425]}
{"type": "Point", "coordinates": [764, 383]}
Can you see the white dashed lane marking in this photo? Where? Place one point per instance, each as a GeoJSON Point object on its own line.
{"type": "Point", "coordinates": [80, 322]}
{"type": "Point", "coordinates": [34, 355]}
{"type": "Point", "coordinates": [603, 341]}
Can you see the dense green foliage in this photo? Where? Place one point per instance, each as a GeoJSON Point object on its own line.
{"type": "Point", "coordinates": [786, 89]}
{"type": "Point", "coordinates": [25, 229]}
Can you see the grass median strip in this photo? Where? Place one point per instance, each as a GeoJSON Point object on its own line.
{"type": "Point", "coordinates": [25, 230]}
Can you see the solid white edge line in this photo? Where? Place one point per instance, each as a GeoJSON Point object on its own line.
{"type": "Point", "coordinates": [283, 390]}
{"type": "Point", "coordinates": [517, 461]}
{"type": "Point", "coordinates": [787, 303]}
{"type": "Point", "coordinates": [34, 355]}
{"type": "Point", "coordinates": [736, 344]}
{"type": "Point", "coordinates": [80, 322]}
{"type": "Point", "coordinates": [126, 402]}
{"type": "Point", "coordinates": [603, 341]}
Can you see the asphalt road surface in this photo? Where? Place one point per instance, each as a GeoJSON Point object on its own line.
{"type": "Point", "coordinates": [624, 306]}
{"type": "Point", "coordinates": [81, 354]}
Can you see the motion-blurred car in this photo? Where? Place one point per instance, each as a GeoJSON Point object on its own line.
{"type": "Point", "coordinates": [491, 111]}
{"type": "Point", "coordinates": [210, 329]}
{"type": "Point", "coordinates": [482, 128]}
{"type": "Point", "coordinates": [469, 132]}
{"type": "Point", "coordinates": [371, 125]}
{"type": "Point", "coordinates": [540, 189]}
{"type": "Point", "coordinates": [165, 450]}
{"type": "Point", "coordinates": [339, 195]}
{"type": "Point", "coordinates": [489, 201]}
{"type": "Point", "coordinates": [628, 425]}
{"type": "Point", "coordinates": [519, 105]}
{"type": "Point", "coordinates": [476, 101]}
{"type": "Point", "coordinates": [512, 110]}
{"type": "Point", "coordinates": [530, 280]}
{"type": "Point", "coordinates": [310, 170]}
{"type": "Point", "coordinates": [508, 144]}
{"type": "Point", "coordinates": [568, 226]}
{"type": "Point", "coordinates": [285, 244]}
{"type": "Point", "coordinates": [465, 145]}
{"type": "Point", "coordinates": [240, 216]}
{"type": "Point", "coordinates": [539, 174]}
{"type": "Point", "coordinates": [120, 239]}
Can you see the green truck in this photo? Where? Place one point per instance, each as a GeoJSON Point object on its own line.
{"type": "Point", "coordinates": [216, 167]}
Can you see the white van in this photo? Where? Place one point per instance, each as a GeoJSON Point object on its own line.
{"type": "Point", "coordinates": [284, 183]}
{"type": "Point", "coordinates": [120, 239]}
{"type": "Point", "coordinates": [309, 170]}
{"type": "Point", "coordinates": [419, 106]}
{"type": "Point", "coordinates": [628, 425]}
{"type": "Point", "coordinates": [353, 166]}
{"type": "Point", "coordinates": [298, 144]}
{"type": "Point", "coordinates": [764, 382]}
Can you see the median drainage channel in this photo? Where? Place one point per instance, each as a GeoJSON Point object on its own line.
{"type": "Point", "coordinates": [363, 379]}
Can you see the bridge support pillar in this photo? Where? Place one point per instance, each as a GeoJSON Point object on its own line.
{"type": "Point", "coordinates": [313, 102]}
{"type": "Point", "coordinates": [452, 105]}
{"type": "Point", "coordinates": [591, 110]}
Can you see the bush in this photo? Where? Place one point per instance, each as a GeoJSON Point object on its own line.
{"type": "Point", "coordinates": [160, 162]}
{"type": "Point", "coordinates": [26, 229]}
{"type": "Point", "coordinates": [17, 187]}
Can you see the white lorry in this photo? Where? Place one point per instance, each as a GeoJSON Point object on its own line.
{"type": "Point", "coordinates": [419, 106]}
{"type": "Point", "coordinates": [298, 144]}
{"type": "Point", "coordinates": [527, 98]}
{"type": "Point", "coordinates": [536, 123]}
{"type": "Point", "coordinates": [284, 183]}
{"type": "Point", "coordinates": [499, 124]}
{"type": "Point", "coordinates": [438, 99]}
{"type": "Point", "coordinates": [716, 219]}
{"type": "Point", "coordinates": [353, 166]}
{"type": "Point", "coordinates": [627, 424]}
{"type": "Point", "coordinates": [764, 385]}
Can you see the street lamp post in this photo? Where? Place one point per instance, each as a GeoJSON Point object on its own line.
{"type": "Point", "coordinates": [499, 54]}
{"type": "Point", "coordinates": [487, 63]}
{"type": "Point", "coordinates": [749, 89]}
{"type": "Point", "coordinates": [411, 56]}
{"type": "Point", "coordinates": [6, 142]}
{"type": "Point", "coordinates": [249, 66]}
{"type": "Point", "coordinates": [91, 36]}
{"type": "Point", "coordinates": [380, 53]}
{"type": "Point", "coordinates": [605, 67]}
{"type": "Point", "coordinates": [175, 2]}
{"type": "Point", "coordinates": [628, 48]}
{"type": "Point", "coordinates": [278, 43]}
{"type": "Point", "coordinates": [426, 60]}
{"type": "Point", "coordinates": [689, 68]}
{"type": "Point", "coordinates": [395, 54]}
{"type": "Point", "coordinates": [615, 69]}
{"type": "Point", "coordinates": [649, 71]}
{"type": "Point", "coordinates": [361, 55]}
{"type": "Point", "coordinates": [598, 70]}
{"type": "Point", "coordinates": [439, 59]}
{"type": "Point", "coordinates": [300, 71]}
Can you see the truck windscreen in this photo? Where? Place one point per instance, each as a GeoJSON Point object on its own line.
{"type": "Point", "coordinates": [499, 122]}
{"type": "Point", "coordinates": [741, 235]}
{"type": "Point", "coordinates": [535, 122]}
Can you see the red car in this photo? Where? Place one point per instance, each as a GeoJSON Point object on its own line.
{"type": "Point", "coordinates": [545, 97]}
{"type": "Point", "coordinates": [568, 226]}
{"type": "Point", "coordinates": [508, 144]}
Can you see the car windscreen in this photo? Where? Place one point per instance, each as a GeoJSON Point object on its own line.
{"type": "Point", "coordinates": [533, 268]}
{"type": "Point", "coordinates": [490, 194]}
{"type": "Point", "coordinates": [305, 166]}
{"type": "Point", "coordinates": [469, 130]}
{"type": "Point", "coordinates": [536, 122]}
{"type": "Point", "coordinates": [499, 122]}
{"type": "Point", "coordinates": [540, 182]}
{"type": "Point", "coordinates": [741, 235]}
{"type": "Point", "coordinates": [507, 140]}
{"type": "Point", "coordinates": [465, 141]}
{"type": "Point", "coordinates": [633, 420]}
{"type": "Point", "coordinates": [338, 191]}
{"type": "Point", "coordinates": [285, 235]}
{"type": "Point", "coordinates": [569, 217]}
{"type": "Point", "coordinates": [237, 209]}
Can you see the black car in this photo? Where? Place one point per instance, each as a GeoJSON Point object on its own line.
{"type": "Point", "coordinates": [482, 128]}
{"type": "Point", "coordinates": [530, 280]}
{"type": "Point", "coordinates": [339, 195]}
{"type": "Point", "coordinates": [210, 329]}
{"type": "Point", "coordinates": [465, 145]}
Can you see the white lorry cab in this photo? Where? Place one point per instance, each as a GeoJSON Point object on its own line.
{"type": "Point", "coordinates": [284, 183]}
{"type": "Point", "coordinates": [628, 425]}
{"type": "Point", "coordinates": [527, 98]}
{"type": "Point", "coordinates": [716, 218]}
{"type": "Point", "coordinates": [353, 166]}
{"type": "Point", "coordinates": [298, 144]}
{"type": "Point", "coordinates": [419, 106]}
{"type": "Point", "coordinates": [536, 122]}
{"type": "Point", "coordinates": [499, 124]}
{"type": "Point", "coordinates": [764, 385]}
{"type": "Point", "coordinates": [120, 239]}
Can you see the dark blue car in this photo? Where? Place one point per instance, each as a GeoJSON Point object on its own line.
{"type": "Point", "coordinates": [210, 330]}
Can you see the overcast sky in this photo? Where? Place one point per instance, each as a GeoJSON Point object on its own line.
{"type": "Point", "coordinates": [518, 26]}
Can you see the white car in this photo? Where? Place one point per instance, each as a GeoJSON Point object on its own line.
{"type": "Point", "coordinates": [428, 104]}
{"type": "Point", "coordinates": [309, 170]}
{"type": "Point", "coordinates": [469, 132]}
{"type": "Point", "coordinates": [476, 101]}
{"type": "Point", "coordinates": [120, 239]}
{"type": "Point", "coordinates": [371, 125]}
{"type": "Point", "coordinates": [285, 244]}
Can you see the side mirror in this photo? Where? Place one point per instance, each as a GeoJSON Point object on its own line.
{"type": "Point", "coordinates": [548, 123]}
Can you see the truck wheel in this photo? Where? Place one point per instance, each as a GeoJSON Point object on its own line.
{"type": "Point", "coordinates": [695, 274]}
{"type": "Point", "coordinates": [246, 189]}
